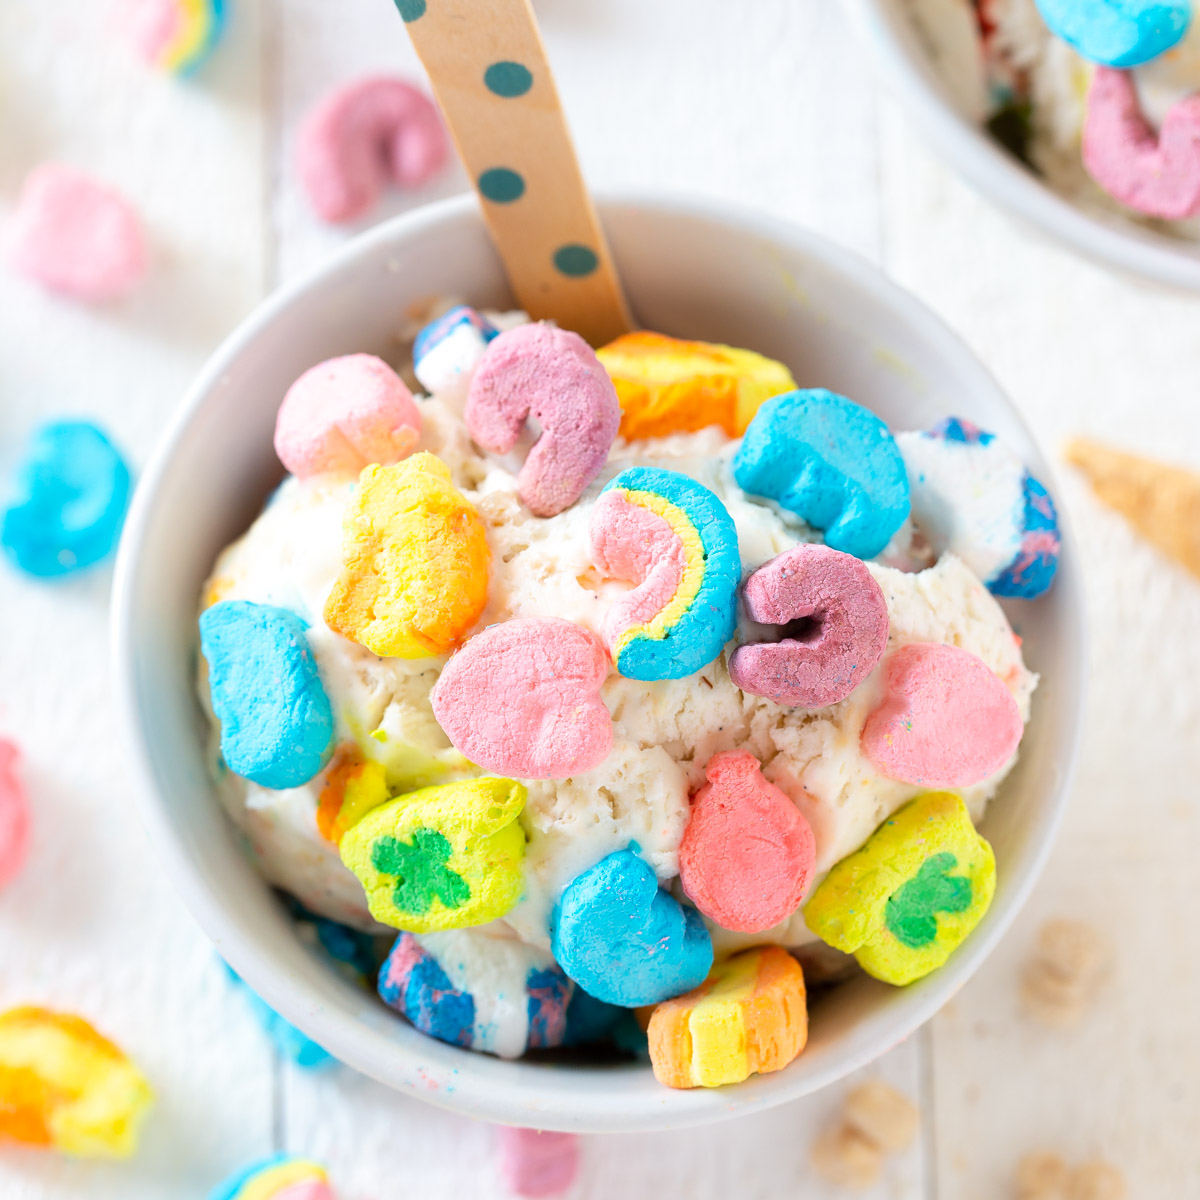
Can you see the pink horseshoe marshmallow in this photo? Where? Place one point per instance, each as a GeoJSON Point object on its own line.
{"type": "Point", "coordinates": [522, 699]}
{"type": "Point", "coordinates": [362, 134]}
{"type": "Point", "coordinates": [747, 854]}
{"type": "Point", "coordinates": [946, 720]}
{"type": "Point", "coordinates": [14, 815]}
{"type": "Point", "coordinates": [344, 414]}
{"type": "Point", "coordinates": [1156, 175]}
{"type": "Point", "coordinates": [849, 616]}
{"type": "Point", "coordinates": [553, 376]}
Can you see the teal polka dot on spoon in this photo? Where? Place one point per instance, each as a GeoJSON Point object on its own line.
{"type": "Point", "coordinates": [508, 79]}
{"type": "Point", "coordinates": [575, 260]}
{"type": "Point", "coordinates": [501, 185]}
{"type": "Point", "coordinates": [410, 10]}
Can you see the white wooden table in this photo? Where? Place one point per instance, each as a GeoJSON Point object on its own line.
{"type": "Point", "coordinates": [767, 103]}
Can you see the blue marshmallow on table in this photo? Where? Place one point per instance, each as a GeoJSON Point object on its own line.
{"type": "Point", "coordinates": [1118, 33]}
{"type": "Point", "coordinates": [288, 1040]}
{"type": "Point", "coordinates": [449, 348]}
{"type": "Point", "coordinates": [623, 939]}
{"type": "Point", "coordinates": [276, 722]}
{"type": "Point", "coordinates": [831, 462]}
{"type": "Point", "coordinates": [72, 491]}
{"type": "Point", "coordinates": [973, 496]}
{"type": "Point", "coordinates": [477, 989]}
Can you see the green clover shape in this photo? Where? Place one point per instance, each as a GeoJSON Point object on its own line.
{"type": "Point", "coordinates": [420, 870]}
{"type": "Point", "coordinates": [912, 911]}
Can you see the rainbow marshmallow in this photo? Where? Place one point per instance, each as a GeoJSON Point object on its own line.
{"type": "Point", "coordinates": [179, 35]}
{"type": "Point", "coordinates": [280, 1178]}
{"type": "Point", "coordinates": [674, 538]}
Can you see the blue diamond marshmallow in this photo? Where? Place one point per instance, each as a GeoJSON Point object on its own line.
{"type": "Point", "coordinates": [1118, 33]}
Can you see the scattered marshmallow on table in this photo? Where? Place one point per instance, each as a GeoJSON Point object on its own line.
{"type": "Point", "coordinates": [415, 562]}
{"type": "Point", "coordinates": [14, 814]}
{"type": "Point", "coordinates": [533, 1164]}
{"type": "Point", "coordinates": [750, 1016]}
{"type": "Point", "coordinates": [478, 988]}
{"type": "Point", "coordinates": [276, 721]}
{"type": "Point", "coordinates": [667, 385]}
{"type": "Point", "coordinates": [175, 35]}
{"type": "Point", "coordinates": [363, 134]}
{"type": "Point", "coordinates": [830, 461]}
{"type": "Point", "coordinates": [623, 939]}
{"type": "Point", "coordinates": [945, 719]}
{"type": "Point", "coordinates": [447, 351]}
{"type": "Point", "coordinates": [747, 855]}
{"type": "Point", "coordinates": [72, 491]}
{"type": "Point", "coordinates": [973, 496]}
{"type": "Point", "coordinates": [345, 414]}
{"type": "Point", "coordinates": [441, 857]}
{"type": "Point", "coordinates": [551, 376]}
{"type": "Point", "coordinates": [905, 901]}
{"type": "Point", "coordinates": [1118, 33]}
{"type": "Point", "coordinates": [522, 698]}
{"type": "Point", "coordinates": [281, 1177]}
{"type": "Point", "coordinates": [65, 1087]}
{"type": "Point", "coordinates": [674, 538]}
{"type": "Point", "coordinates": [840, 597]}
{"type": "Point", "coordinates": [75, 235]}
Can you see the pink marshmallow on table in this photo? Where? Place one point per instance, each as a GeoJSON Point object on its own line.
{"type": "Point", "coordinates": [76, 236]}
{"type": "Point", "coordinates": [344, 414]}
{"type": "Point", "coordinates": [522, 699]}
{"type": "Point", "coordinates": [537, 1164]}
{"type": "Point", "coordinates": [554, 377]}
{"type": "Point", "coordinates": [14, 815]}
{"type": "Point", "coordinates": [361, 135]}
{"type": "Point", "coordinates": [1156, 174]}
{"type": "Point", "coordinates": [946, 719]}
{"type": "Point", "coordinates": [746, 858]}
{"type": "Point", "coordinates": [848, 636]}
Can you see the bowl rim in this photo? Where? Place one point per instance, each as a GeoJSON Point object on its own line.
{"type": "Point", "coordinates": [991, 170]}
{"type": "Point", "coordinates": [483, 1096]}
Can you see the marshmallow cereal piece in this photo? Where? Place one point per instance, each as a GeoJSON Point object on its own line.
{"type": "Point", "coordinates": [72, 490]}
{"type": "Point", "coordinates": [14, 814]}
{"type": "Point", "coordinates": [74, 235]}
{"type": "Point", "coordinates": [276, 721]}
{"type": "Point", "coordinates": [905, 901]}
{"type": "Point", "coordinates": [442, 857]}
{"type": "Point", "coordinates": [972, 496]}
{"type": "Point", "coordinates": [667, 385]}
{"type": "Point", "coordinates": [1156, 172]}
{"type": "Point", "coordinates": [522, 699]}
{"type": "Point", "coordinates": [845, 635]}
{"type": "Point", "coordinates": [344, 414]}
{"type": "Point", "coordinates": [674, 538]}
{"type": "Point", "coordinates": [282, 1177]}
{"type": "Point", "coordinates": [353, 786]}
{"type": "Point", "coordinates": [533, 1164]}
{"type": "Point", "coordinates": [362, 134]}
{"type": "Point", "coordinates": [552, 376]}
{"type": "Point", "coordinates": [623, 939]}
{"type": "Point", "coordinates": [474, 988]}
{"type": "Point", "coordinates": [176, 35]}
{"type": "Point", "coordinates": [746, 858]}
{"type": "Point", "coordinates": [830, 461]}
{"type": "Point", "coordinates": [1118, 33]}
{"type": "Point", "coordinates": [447, 351]}
{"type": "Point", "coordinates": [415, 562]}
{"type": "Point", "coordinates": [750, 1016]}
{"type": "Point", "coordinates": [945, 720]}
{"type": "Point", "coordinates": [64, 1086]}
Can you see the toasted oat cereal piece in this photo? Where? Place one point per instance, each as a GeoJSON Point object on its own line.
{"type": "Point", "coordinates": [1042, 1176]}
{"type": "Point", "coordinates": [1096, 1181]}
{"type": "Point", "coordinates": [1067, 965]}
{"type": "Point", "coordinates": [882, 1115]}
{"type": "Point", "coordinates": [843, 1156]}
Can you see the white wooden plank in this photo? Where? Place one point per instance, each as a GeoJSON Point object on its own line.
{"type": "Point", "coordinates": [93, 924]}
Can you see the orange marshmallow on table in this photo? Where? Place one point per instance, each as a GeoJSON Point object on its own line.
{"type": "Point", "coordinates": [749, 1016]}
{"type": "Point", "coordinates": [667, 385]}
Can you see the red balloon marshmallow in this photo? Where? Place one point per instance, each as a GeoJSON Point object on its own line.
{"type": "Point", "coordinates": [522, 699]}
{"type": "Point", "coordinates": [746, 858]}
{"type": "Point", "coordinates": [1157, 174]}
{"type": "Point", "coordinates": [946, 720]}
{"type": "Point", "coordinates": [344, 414]}
{"type": "Point", "coordinates": [14, 815]}
{"type": "Point", "coordinates": [849, 627]}
{"type": "Point", "coordinates": [553, 376]}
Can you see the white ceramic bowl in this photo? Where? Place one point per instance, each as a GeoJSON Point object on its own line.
{"type": "Point", "coordinates": [904, 63]}
{"type": "Point", "coordinates": [690, 268]}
